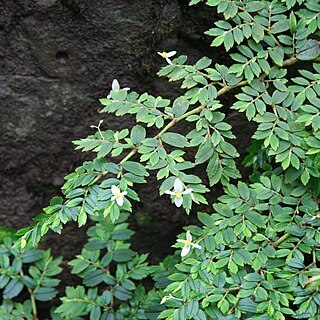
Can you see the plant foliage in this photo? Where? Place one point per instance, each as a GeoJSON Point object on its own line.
{"type": "Point", "coordinates": [256, 255]}
{"type": "Point", "coordinates": [30, 270]}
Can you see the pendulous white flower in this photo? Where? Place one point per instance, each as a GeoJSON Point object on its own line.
{"type": "Point", "coordinates": [118, 195]}
{"type": "Point", "coordinates": [116, 87]}
{"type": "Point", "coordinates": [167, 55]}
{"type": "Point", "coordinates": [188, 244]}
{"type": "Point", "coordinates": [178, 192]}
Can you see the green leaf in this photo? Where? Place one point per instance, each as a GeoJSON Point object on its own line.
{"type": "Point", "coordinates": [138, 133]}
{"type": "Point", "coordinates": [254, 6]}
{"type": "Point", "coordinates": [231, 11]}
{"type": "Point", "coordinates": [309, 51]}
{"type": "Point", "coordinates": [95, 313]}
{"type": "Point", "coordinates": [113, 211]}
{"type": "Point", "coordinates": [296, 263]}
{"type": "Point", "coordinates": [280, 26]}
{"type": "Point", "coordinates": [277, 55]}
{"type": "Point", "coordinates": [293, 22]}
{"type": "Point", "coordinates": [228, 235]}
{"type": "Point", "coordinates": [45, 294]}
{"type": "Point", "coordinates": [255, 218]}
{"type": "Point", "coordinates": [223, 305]}
{"type": "Point", "coordinates": [214, 171]}
{"type": "Point", "coordinates": [31, 256]}
{"type": "Point", "coordinates": [206, 219]}
{"type": "Point", "coordinates": [244, 191]}
{"type": "Point", "coordinates": [75, 193]}
{"type": "Point", "coordinates": [4, 280]}
{"type": "Point", "coordinates": [121, 293]}
{"type": "Point", "coordinates": [253, 277]}
{"type": "Point", "coordinates": [180, 106]}
{"type": "Point", "coordinates": [193, 2]}
{"type": "Point", "coordinates": [122, 255]}
{"type": "Point", "coordinates": [175, 139]}
{"type": "Point", "coordinates": [88, 178]}
{"type": "Point", "coordinates": [217, 41]}
{"type": "Point", "coordinates": [135, 168]}
{"type": "Point", "coordinates": [305, 177]}
{"type": "Point", "coordinates": [13, 288]}
{"type": "Point", "coordinates": [105, 150]}
{"type": "Point", "coordinates": [93, 277]}
{"type": "Point", "coordinates": [257, 32]}
{"type": "Point", "coordinates": [82, 218]}
{"type": "Point", "coordinates": [205, 152]}
{"type": "Point", "coordinates": [203, 63]}
{"type": "Point", "coordinates": [232, 267]}
{"type": "Point", "coordinates": [228, 41]}
{"type": "Point", "coordinates": [248, 305]}
{"type": "Point", "coordinates": [274, 142]}
{"type": "Point", "coordinates": [229, 149]}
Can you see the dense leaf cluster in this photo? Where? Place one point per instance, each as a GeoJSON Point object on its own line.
{"type": "Point", "coordinates": [31, 270]}
{"type": "Point", "coordinates": [110, 270]}
{"type": "Point", "coordinates": [259, 251]}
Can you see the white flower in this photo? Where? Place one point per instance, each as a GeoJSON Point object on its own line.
{"type": "Point", "coordinates": [167, 55]}
{"type": "Point", "coordinates": [116, 87]}
{"type": "Point", "coordinates": [178, 192]}
{"type": "Point", "coordinates": [164, 299]}
{"type": "Point", "coordinates": [118, 195]}
{"type": "Point", "coordinates": [188, 244]}
{"type": "Point", "coordinates": [170, 296]}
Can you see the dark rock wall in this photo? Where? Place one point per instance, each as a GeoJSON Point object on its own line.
{"type": "Point", "coordinates": [57, 57]}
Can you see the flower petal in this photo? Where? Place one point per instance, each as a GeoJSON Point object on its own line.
{"type": "Point", "coordinates": [126, 89]}
{"type": "Point", "coordinates": [115, 190]}
{"type": "Point", "coordinates": [171, 53]}
{"type": "Point", "coordinates": [187, 191]}
{"type": "Point", "coordinates": [115, 85]}
{"type": "Point", "coordinates": [178, 186]}
{"type": "Point", "coordinates": [124, 193]}
{"type": "Point", "coordinates": [189, 236]}
{"type": "Point", "coordinates": [120, 201]}
{"type": "Point", "coordinates": [181, 240]}
{"type": "Point", "coordinates": [164, 299]}
{"type": "Point", "coordinates": [178, 201]}
{"type": "Point", "coordinates": [169, 61]}
{"type": "Point", "coordinates": [113, 198]}
{"type": "Point", "coordinates": [160, 54]}
{"type": "Point", "coordinates": [170, 192]}
{"type": "Point", "coordinates": [185, 250]}
{"type": "Point", "coordinates": [195, 245]}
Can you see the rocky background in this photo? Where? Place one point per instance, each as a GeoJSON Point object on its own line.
{"type": "Point", "coordinates": [57, 57]}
